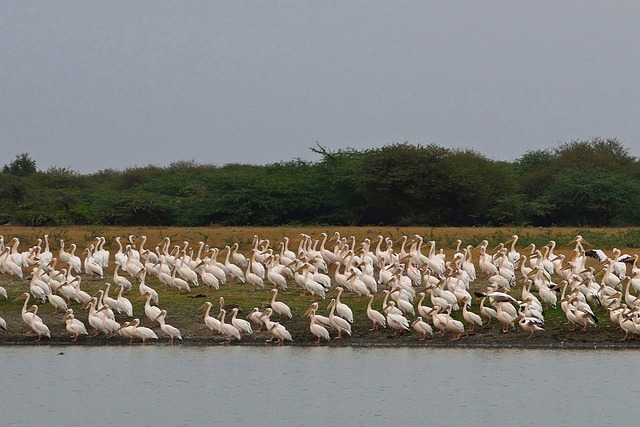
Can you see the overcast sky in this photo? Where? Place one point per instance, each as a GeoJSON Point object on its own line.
{"type": "Point", "coordinates": [92, 85]}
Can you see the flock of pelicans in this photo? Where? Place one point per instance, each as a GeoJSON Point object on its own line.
{"type": "Point", "coordinates": [420, 288]}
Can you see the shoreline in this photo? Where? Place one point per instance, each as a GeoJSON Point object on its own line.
{"type": "Point", "coordinates": [517, 342]}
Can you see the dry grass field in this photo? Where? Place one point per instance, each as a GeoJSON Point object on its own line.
{"type": "Point", "coordinates": [183, 311]}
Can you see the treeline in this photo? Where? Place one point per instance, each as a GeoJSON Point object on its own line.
{"type": "Point", "coordinates": [580, 183]}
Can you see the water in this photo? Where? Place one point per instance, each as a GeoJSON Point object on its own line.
{"type": "Point", "coordinates": [187, 386]}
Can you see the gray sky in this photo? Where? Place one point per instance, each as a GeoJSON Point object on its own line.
{"type": "Point", "coordinates": [92, 85]}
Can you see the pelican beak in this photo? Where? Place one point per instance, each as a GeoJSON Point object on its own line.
{"type": "Point", "coordinates": [21, 298]}
{"type": "Point", "coordinates": [308, 312]}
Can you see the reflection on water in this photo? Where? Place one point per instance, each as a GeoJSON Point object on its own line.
{"type": "Point", "coordinates": [186, 386]}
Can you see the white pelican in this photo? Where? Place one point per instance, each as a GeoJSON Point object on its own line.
{"type": "Point", "coordinates": [178, 282]}
{"type": "Point", "coordinates": [320, 319]}
{"type": "Point", "coordinates": [279, 332]}
{"type": "Point", "coordinates": [74, 326]}
{"type": "Point", "coordinates": [62, 253]}
{"type": "Point", "coordinates": [27, 316]}
{"type": "Point", "coordinates": [505, 318]}
{"type": "Point", "coordinates": [74, 260]}
{"type": "Point", "coordinates": [470, 317]}
{"type": "Point", "coordinates": [8, 265]}
{"type": "Point", "coordinates": [375, 316]}
{"type": "Point", "coordinates": [308, 283]}
{"type": "Point", "coordinates": [170, 331]}
{"type": "Point", "coordinates": [397, 322]}
{"type": "Point", "coordinates": [57, 302]}
{"type": "Point", "coordinates": [106, 299]}
{"type": "Point", "coordinates": [316, 329]}
{"type": "Point", "coordinates": [151, 311]}
{"type": "Point", "coordinates": [142, 332]}
{"type": "Point", "coordinates": [254, 317]}
{"type": "Point", "coordinates": [530, 324]}
{"type": "Point", "coordinates": [422, 327]}
{"type": "Point", "coordinates": [37, 286]}
{"type": "Point", "coordinates": [254, 279]}
{"type": "Point", "coordinates": [234, 271]}
{"type": "Point", "coordinates": [338, 323]}
{"type": "Point", "coordinates": [583, 314]}
{"type": "Point", "coordinates": [109, 324]}
{"type": "Point", "coordinates": [126, 330]}
{"type": "Point", "coordinates": [423, 310]}
{"type": "Point", "coordinates": [242, 325]}
{"type": "Point", "coordinates": [278, 306]}
{"type": "Point", "coordinates": [143, 288]}
{"type": "Point", "coordinates": [238, 258]}
{"type": "Point", "coordinates": [209, 279]}
{"type": "Point", "coordinates": [343, 309]}
{"type": "Point", "coordinates": [91, 266]}
{"type": "Point", "coordinates": [121, 280]}
{"type": "Point", "coordinates": [37, 325]}
{"type": "Point", "coordinates": [454, 326]}
{"type": "Point", "coordinates": [45, 255]}
{"type": "Point", "coordinates": [123, 304]}
{"type": "Point", "coordinates": [275, 329]}
{"type": "Point", "coordinates": [211, 322]}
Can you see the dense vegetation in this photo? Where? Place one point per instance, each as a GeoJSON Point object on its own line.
{"type": "Point", "coordinates": [580, 183]}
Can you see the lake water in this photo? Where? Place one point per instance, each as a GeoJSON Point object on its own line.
{"type": "Point", "coordinates": [293, 386]}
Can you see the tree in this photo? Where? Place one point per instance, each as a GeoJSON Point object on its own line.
{"type": "Point", "coordinates": [594, 197]}
{"type": "Point", "coordinates": [23, 165]}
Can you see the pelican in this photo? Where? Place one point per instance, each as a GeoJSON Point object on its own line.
{"type": "Point", "coordinates": [74, 326]}
{"type": "Point", "coordinates": [530, 324]}
{"type": "Point", "coordinates": [471, 318]}
{"type": "Point", "coordinates": [242, 325]}
{"type": "Point", "coordinates": [142, 332]}
{"type": "Point", "coordinates": [151, 311]}
{"type": "Point", "coordinates": [422, 327]}
{"type": "Point", "coordinates": [123, 304]}
{"type": "Point", "coordinates": [275, 329]}
{"type": "Point", "coordinates": [211, 322]}
{"type": "Point", "coordinates": [234, 271]}
{"type": "Point", "coordinates": [505, 318]}
{"type": "Point", "coordinates": [28, 317]}
{"type": "Point", "coordinates": [320, 319]}
{"type": "Point", "coordinates": [487, 312]}
{"type": "Point", "coordinates": [56, 301]}
{"type": "Point", "coordinates": [454, 326]}
{"type": "Point", "coordinates": [279, 332]}
{"type": "Point", "coordinates": [397, 322]}
{"type": "Point", "coordinates": [170, 331]}
{"type": "Point", "coordinates": [316, 329]}
{"type": "Point", "coordinates": [208, 278]}
{"type": "Point", "coordinates": [278, 306]}
{"type": "Point", "coordinates": [343, 309]}
{"type": "Point", "coordinates": [375, 316]}
{"type": "Point", "coordinates": [338, 323]}
{"type": "Point", "coordinates": [254, 317]}
{"type": "Point", "coordinates": [38, 325]}
{"type": "Point", "coordinates": [121, 280]}
{"type": "Point", "coordinates": [143, 288]}
{"type": "Point", "coordinates": [91, 266]}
